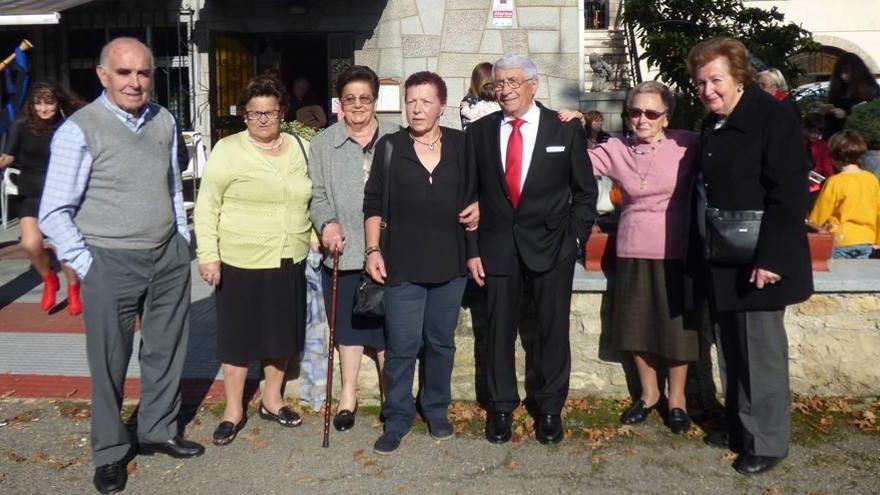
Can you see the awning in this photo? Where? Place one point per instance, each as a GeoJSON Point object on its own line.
{"type": "Point", "coordinates": [20, 7]}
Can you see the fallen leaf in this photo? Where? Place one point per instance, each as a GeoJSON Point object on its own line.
{"type": "Point", "coordinates": [131, 468]}
{"type": "Point", "coordinates": [258, 443]}
{"type": "Point", "coordinates": [630, 452]}
{"type": "Point", "coordinates": [2, 477]}
{"type": "Point", "coordinates": [512, 464]}
{"type": "Point", "coordinates": [729, 457]}
{"type": "Point", "coordinates": [773, 491]}
{"type": "Point", "coordinates": [596, 459]}
{"type": "Point", "coordinates": [12, 456]}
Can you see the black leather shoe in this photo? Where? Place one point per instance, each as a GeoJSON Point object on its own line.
{"type": "Point", "coordinates": [717, 438]}
{"type": "Point", "coordinates": [226, 431]}
{"type": "Point", "coordinates": [678, 421]}
{"type": "Point", "coordinates": [548, 428]}
{"type": "Point", "coordinates": [344, 420]}
{"type": "Point", "coordinates": [284, 417]}
{"type": "Point", "coordinates": [110, 478]}
{"type": "Point", "coordinates": [755, 464]}
{"type": "Point", "coordinates": [498, 427]}
{"type": "Point", "coordinates": [638, 413]}
{"type": "Point", "coordinates": [177, 447]}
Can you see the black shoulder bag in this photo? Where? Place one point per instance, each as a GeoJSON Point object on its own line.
{"type": "Point", "coordinates": [369, 300]}
{"type": "Point", "coordinates": [731, 235]}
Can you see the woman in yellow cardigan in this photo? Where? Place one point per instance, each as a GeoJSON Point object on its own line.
{"type": "Point", "coordinates": [253, 229]}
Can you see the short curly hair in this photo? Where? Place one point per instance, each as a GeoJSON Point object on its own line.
{"type": "Point", "coordinates": [733, 50]}
{"type": "Point", "coordinates": [264, 85]}
{"type": "Point", "coordinates": [357, 73]}
{"type": "Point", "coordinates": [427, 77]}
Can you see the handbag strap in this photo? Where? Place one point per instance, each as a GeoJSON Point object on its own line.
{"type": "Point", "coordinates": [302, 148]}
{"type": "Point", "coordinates": [386, 196]}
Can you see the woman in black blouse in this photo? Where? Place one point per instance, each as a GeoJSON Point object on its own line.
{"type": "Point", "coordinates": [27, 148]}
{"type": "Point", "coordinates": [423, 267]}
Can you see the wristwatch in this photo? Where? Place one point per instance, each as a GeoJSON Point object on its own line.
{"type": "Point", "coordinates": [321, 230]}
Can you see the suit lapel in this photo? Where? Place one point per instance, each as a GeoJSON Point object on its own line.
{"type": "Point", "coordinates": [546, 128]}
{"type": "Point", "coordinates": [495, 140]}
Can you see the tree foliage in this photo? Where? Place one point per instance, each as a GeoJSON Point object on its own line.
{"type": "Point", "coordinates": [667, 29]}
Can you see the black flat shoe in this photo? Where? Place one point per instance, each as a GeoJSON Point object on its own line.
{"type": "Point", "coordinates": [638, 413]}
{"type": "Point", "coordinates": [498, 427]}
{"type": "Point", "coordinates": [284, 417]}
{"type": "Point", "coordinates": [177, 447]}
{"type": "Point", "coordinates": [548, 429]}
{"type": "Point", "coordinates": [110, 478]}
{"type": "Point", "coordinates": [344, 419]}
{"type": "Point", "coordinates": [226, 431]}
{"type": "Point", "coordinates": [717, 438]}
{"type": "Point", "coordinates": [678, 421]}
{"type": "Point", "coordinates": [755, 464]}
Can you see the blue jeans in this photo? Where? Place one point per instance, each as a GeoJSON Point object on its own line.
{"type": "Point", "coordinates": [419, 318]}
{"type": "Point", "coordinates": [857, 252]}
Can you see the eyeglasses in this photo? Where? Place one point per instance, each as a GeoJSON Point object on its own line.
{"type": "Point", "coordinates": [635, 113]}
{"type": "Point", "coordinates": [352, 100]}
{"type": "Point", "coordinates": [511, 83]}
{"type": "Point", "coordinates": [270, 115]}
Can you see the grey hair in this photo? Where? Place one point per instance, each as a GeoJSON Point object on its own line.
{"type": "Point", "coordinates": [516, 61]}
{"type": "Point", "coordinates": [104, 60]}
{"type": "Point", "coordinates": [776, 76]}
{"type": "Point", "coordinates": [657, 88]}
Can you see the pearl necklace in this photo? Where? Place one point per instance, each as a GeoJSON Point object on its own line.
{"type": "Point", "coordinates": [429, 145]}
{"type": "Point", "coordinates": [271, 147]}
{"type": "Point", "coordinates": [643, 184]}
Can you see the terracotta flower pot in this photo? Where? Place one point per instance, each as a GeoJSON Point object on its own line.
{"type": "Point", "coordinates": [600, 253]}
{"type": "Point", "coordinates": [821, 249]}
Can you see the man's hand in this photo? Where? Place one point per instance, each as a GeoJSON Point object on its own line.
{"type": "Point", "coordinates": [475, 266]}
{"type": "Point", "coordinates": [375, 266]}
{"type": "Point", "coordinates": [761, 277]}
{"type": "Point", "coordinates": [210, 273]}
{"type": "Point", "coordinates": [332, 238]}
{"type": "Point", "coordinates": [470, 216]}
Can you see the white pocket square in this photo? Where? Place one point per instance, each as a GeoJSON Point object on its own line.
{"type": "Point", "coordinates": [555, 149]}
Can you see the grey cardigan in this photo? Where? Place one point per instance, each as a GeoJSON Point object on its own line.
{"type": "Point", "coordinates": [336, 167]}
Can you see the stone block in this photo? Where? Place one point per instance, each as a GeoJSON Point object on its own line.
{"type": "Point", "coordinates": [411, 25]}
{"type": "Point", "coordinates": [431, 15]}
{"type": "Point", "coordinates": [538, 17]}
{"type": "Point", "coordinates": [468, 4]}
{"type": "Point", "coordinates": [398, 9]}
{"type": "Point", "coordinates": [414, 64]}
{"type": "Point", "coordinates": [491, 42]}
{"type": "Point", "coordinates": [820, 305]}
{"type": "Point", "coordinates": [546, 3]}
{"type": "Point", "coordinates": [368, 57]}
{"type": "Point", "coordinates": [463, 30]}
{"type": "Point", "coordinates": [543, 92]}
{"type": "Point", "coordinates": [458, 64]}
{"type": "Point", "coordinates": [559, 64]}
{"type": "Point", "coordinates": [391, 63]}
{"type": "Point", "coordinates": [515, 41]}
{"type": "Point", "coordinates": [543, 41]}
{"type": "Point", "coordinates": [432, 64]}
{"type": "Point", "coordinates": [420, 45]}
{"type": "Point", "coordinates": [564, 93]}
{"type": "Point", "coordinates": [371, 42]}
{"type": "Point", "coordinates": [569, 30]}
{"type": "Point", "coordinates": [388, 34]}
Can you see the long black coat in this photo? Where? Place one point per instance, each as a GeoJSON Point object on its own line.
{"type": "Point", "coordinates": [757, 161]}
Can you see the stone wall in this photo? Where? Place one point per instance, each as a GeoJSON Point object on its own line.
{"type": "Point", "coordinates": [451, 36]}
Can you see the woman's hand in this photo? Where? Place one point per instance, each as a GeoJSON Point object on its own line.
{"type": "Point", "coordinates": [470, 216]}
{"type": "Point", "coordinates": [761, 277]}
{"type": "Point", "coordinates": [566, 115]}
{"type": "Point", "coordinates": [210, 273]}
{"type": "Point", "coordinates": [332, 238]}
{"type": "Point", "coordinates": [375, 266]}
{"type": "Point", "coordinates": [475, 267]}
{"type": "Point", "coordinates": [6, 160]}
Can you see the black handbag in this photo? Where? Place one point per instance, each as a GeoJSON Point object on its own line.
{"type": "Point", "coordinates": [732, 235]}
{"type": "Point", "coordinates": [369, 300]}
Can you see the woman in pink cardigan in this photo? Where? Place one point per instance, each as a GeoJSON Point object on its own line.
{"type": "Point", "coordinates": [655, 171]}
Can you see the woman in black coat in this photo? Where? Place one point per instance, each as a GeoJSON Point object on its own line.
{"type": "Point", "coordinates": [753, 159]}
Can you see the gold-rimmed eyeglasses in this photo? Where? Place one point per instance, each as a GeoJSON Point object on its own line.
{"type": "Point", "coordinates": [352, 100]}
{"type": "Point", "coordinates": [511, 83]}
{"type": "Point", "coordinates": [270, 115]}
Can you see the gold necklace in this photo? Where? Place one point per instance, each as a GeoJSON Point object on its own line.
{"type": "Point", "coordinates": [429, 145]}
{"type": "Point", "coordinates": [643, 184]}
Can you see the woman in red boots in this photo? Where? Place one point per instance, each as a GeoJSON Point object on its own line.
{"type": "Point", "coordinates": [27, 148]}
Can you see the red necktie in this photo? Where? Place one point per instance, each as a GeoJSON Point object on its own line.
{"type": "Point", "coordinates": [513, 163]}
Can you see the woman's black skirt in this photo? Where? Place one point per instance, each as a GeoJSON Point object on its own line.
{"type": "Point", "coordinates": [261, 314]}
{"type": "Point", "coordinates": [648, 312]}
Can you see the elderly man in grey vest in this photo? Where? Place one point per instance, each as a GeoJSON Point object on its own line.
{"type": "Point", "coordinates": [113, 208]}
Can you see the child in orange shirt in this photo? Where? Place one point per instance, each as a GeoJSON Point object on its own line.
{"type": "Point", "coordinates": [849, 204]}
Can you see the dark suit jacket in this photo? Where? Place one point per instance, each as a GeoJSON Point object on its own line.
{"type": "Point", "coordinates": [558, 202]}
{"type": "Point", "coordinates": [757, 161]}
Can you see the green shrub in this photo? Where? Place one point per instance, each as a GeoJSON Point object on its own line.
{"type": "Point", "coordinates": [865, 119]}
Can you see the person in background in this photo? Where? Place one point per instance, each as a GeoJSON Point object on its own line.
{"type": "Point", "coordinates": [655, 171]}
{"type": "Point", "coordinates": [817, 148]}
{"type": "Point", "coordinates": [595, 134]}
{"type": "Point", "coordinates": [851, 83]}
{"type": "Point", "coordinates": [480, 98]}
{"type": "Point", "coordinates": [305, 106]}
{"type": "Point", "coordinates": [253, 230]}
{"type": "Point", "coordinates": [849, 204]}
{"type": "Point", "coordinates": [753, 158]}
{"type": "Point", "coordinates": [27, 148]}
{"type": "Point", "coordinates": [773, 82]}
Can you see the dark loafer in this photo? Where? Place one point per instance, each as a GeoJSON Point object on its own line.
{"type": "Point", "coordinates": [284, 417]}
{"type": "Point", "coordinates": [755, 464]}
{"type": "Point", "coordinates": [226, 431]}
{"type": "Point", "coordinates": [388, 443]}
{"type": "Point", "coordinates": [344, 420]}
{"type": "Point", "coordinates": [498, 427]}
{"type": "Point", "coordinates": [441, 429]}
{"type": "Point", "coordinates": [548, 429]}
{"type": "Point", "coordinates": [638, 413]}
{"type": "Point", "coordinates": [717, 438]}
{"type": "Point", "coordinates": [177, 447]}
{"type": "Point", "coordinates": [110, 478]}
{"type": "Point", "coordinates": [678, 421]}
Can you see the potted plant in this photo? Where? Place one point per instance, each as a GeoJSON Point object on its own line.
{"type": "Point", "coordinates": [865, 119]}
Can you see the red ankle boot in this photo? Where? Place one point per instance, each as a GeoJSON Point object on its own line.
{"type": "Point", "coordinates": [74, 304]}
{"type": "Point", "coordinates": [50, 288]}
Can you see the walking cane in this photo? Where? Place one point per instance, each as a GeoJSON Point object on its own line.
{"type": "Point", "coordinates": [331, 320]}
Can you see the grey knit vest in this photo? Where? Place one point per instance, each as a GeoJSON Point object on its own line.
{"type": "Point", "coordinates": [127, 203]}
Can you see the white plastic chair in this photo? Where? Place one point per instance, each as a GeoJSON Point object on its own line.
{"type": "Point", "coordinates": [7, 188]}
{"type": "Point", "coordinates": [197, 158]}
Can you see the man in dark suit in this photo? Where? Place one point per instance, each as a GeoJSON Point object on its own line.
{"type": "Point", "coordinates": [537, 203]}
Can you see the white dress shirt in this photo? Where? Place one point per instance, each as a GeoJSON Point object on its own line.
{"type": "Point", "coordinates": [529, 131]}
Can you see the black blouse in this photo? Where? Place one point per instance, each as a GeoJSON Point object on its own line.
{"type": "Point", "coordinates": [426, 244]}
{"type": "Point", "coordinates": [31, 152]}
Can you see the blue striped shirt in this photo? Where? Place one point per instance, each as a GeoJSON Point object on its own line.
{"type": "Point", "coordinates": [67, 178]}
